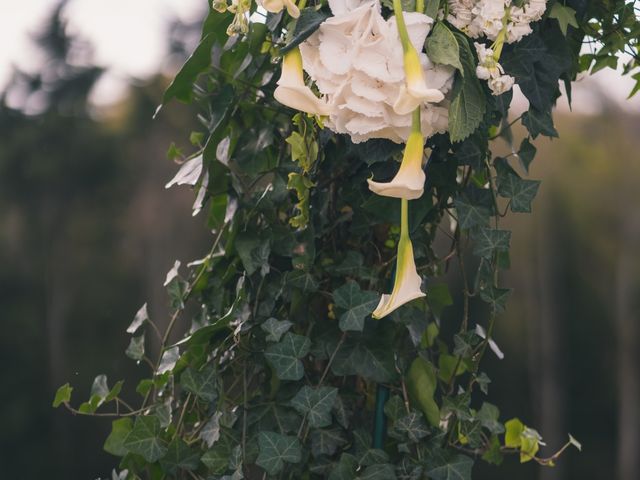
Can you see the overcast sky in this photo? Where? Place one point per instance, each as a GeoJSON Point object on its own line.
{"type": "Point", "coordinates": [129, 37]}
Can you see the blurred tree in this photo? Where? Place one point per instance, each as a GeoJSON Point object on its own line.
{"type": "Point", "coordinates": [81, 244]}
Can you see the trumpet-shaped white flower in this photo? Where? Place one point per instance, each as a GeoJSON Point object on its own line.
{"type": "Point", "coordinates": [276, 6]}
{"type": "Point", "coordinates": [356, 60]}
{"type": "Point", "coordinates": [409, 181]}
{"type": "Point", "coordinates": [407, 282]}
{"type": "Point", "coordinates": [293, 92]}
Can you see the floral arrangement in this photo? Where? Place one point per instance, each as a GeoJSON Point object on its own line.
{"type": "Point", "coordinates": [344, 167]}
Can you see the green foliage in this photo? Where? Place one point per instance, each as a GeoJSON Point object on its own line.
{"type": "Point", "coordinates": [442, 47]}
{"type": "Point", "coordinates": [274, 370]}
{"type": "Point", "coordinates": [468, 104]}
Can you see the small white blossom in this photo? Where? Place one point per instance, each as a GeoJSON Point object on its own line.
{"type": "Point", "coordinates": [501, 84]}
{"type": "Point", "coordinates": [489, 69]}
{"type": "Point", "coordinates": [484, 18]}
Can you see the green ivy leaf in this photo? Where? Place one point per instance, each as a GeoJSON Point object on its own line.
{"type": "Point", "coordinates": [371, 456]}
{"type": "Point", "coordinates": [469, 214]}
{"type": "Point", "coordinates": [316, 404]}
{"type": "Point", "coordinates": [357, 304]}
{"type": "Point", "coordinates": [539, 123]}
{"type": "Point", "coordinates": [510, 185]}
{"type": "Point", "coordinates": [345, 469]}
{"type": "Point", "coordinates": [450, 467]}
{"type": "Point", "coordinates": [308, 22]}
{"type": "Point", "coordinates": [394, 408]}
{"type": "Point", "coordinates": [565, 15]}
{"type": "Point", "coordinates": [135, 350]}
{"type": "Point", "coordinates": [326, 441]}
{"type": "Point", "coordinates": [63, 395]}
{"type": "Point", "coordinates": [382, 471]}
{"type": "Point", "coordinates": [285, 356]}
{"type": "Point", "coordinates": [275, 328]}
{"type": "Point", "coordinates": [216, 459]}
{"type": "Point", "coordinates": [496, 297]}
{"type": "Point", "coordinates": [120, 429]}
{"type": "Point", "coordinates": [145, 440]}
{"type": "Point", "coordinates": [413, 426]}
{"type": "Point", "coordinates": [179, 456]}
{"type": "Point", "coordinates": [468, 103]}
{"type": "Point", "coordinates": [493, 455]}
{"type": "Point", "coordinates": [253, 252]}
{"type": "Point", "coordinates": [276, 449]}
{"type": "Point", "coordinates": [371, 361]}
{"type": "Point", "coordinates": [442, 47]}
{"type": "Point", "coordinates": [201, 383]}
{"type": "Point", "coordinates": [526, 153]}
{"type": "Point", "coordinates": [302, 280]}
{"type": "Point", "coordinates": [489, 417]}
{"type": "Point", "coordinates": [488, 241]}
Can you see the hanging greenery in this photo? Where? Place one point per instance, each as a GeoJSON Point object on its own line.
{"type": "Point", "coordinates": [344, 167]}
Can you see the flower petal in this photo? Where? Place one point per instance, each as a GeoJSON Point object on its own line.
{"type": "Point", "coordinates": [406, 286]}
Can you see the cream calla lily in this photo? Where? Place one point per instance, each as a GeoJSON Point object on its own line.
{"type": "Point", "coordinates": [276, 6]}
{"type": "Point", "coordinates": [407, 283]}
{"type": "Point", "coordinates": [408, 183]}
{"type": "Point", "coordinates": [415, 90]}
{"type": "Point", "coordinates": [293, 92]}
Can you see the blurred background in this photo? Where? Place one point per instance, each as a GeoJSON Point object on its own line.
{"type": "Point", "coordinates": [87, 232]}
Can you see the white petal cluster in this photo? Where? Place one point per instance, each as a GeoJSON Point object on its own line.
{"type": "Point", "coordinates": [356, 60]}
{"type": "Point", "coordinates": [489, 69]}
{"type": "Point", "coordinates": [479, 18]}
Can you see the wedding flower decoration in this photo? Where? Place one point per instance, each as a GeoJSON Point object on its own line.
{"type": "Point", "coordinates": [407, 283]}
{"type": "Point", "coordinates": [293, 92]}
{"type": "Point", "coordinates": [357, 60]}
{"type": "Point", "coordinates": [489, 69]}
{"type": "Point", "coordinates": [487, 18]}
{"type": "Point", "coordinates": [409, 181]}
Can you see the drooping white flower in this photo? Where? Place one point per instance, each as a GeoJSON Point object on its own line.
{"type": "Point", "coordinates": [407, 282]}
{"type": "Point", "coordinates": [409, 181]}
{"type": "Point", "coordinates": [293, 92]}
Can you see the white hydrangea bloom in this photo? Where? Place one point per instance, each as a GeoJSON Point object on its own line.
{"type": "Point", "coordinates": [356, 60]}
{"type": "Point", "coordinates": [478, 18]}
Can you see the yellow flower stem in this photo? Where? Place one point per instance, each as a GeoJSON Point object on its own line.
{"type": "Point", "coordinates": [302, 4]}
{"type": "Point", "coordinates": [420, 6]}
{"type": "Point", "coordinates": [404, 221]}
{"type": "Point", "coordinates": [415, 121]}
{"type": "Point", "coordinates": [499, 43]}
{"type": "Point", "coordinates": [402, 27]}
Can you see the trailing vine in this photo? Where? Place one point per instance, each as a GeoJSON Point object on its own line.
{"type": "Point", "coordinates": [280, 359]}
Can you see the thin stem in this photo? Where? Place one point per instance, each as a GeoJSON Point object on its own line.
{"type": "Point", "coordinates": [402, 26]}
{"type": "Point", "coordinates": [333, 355]}
{"type": "Point", "coordinates": [404, 219]}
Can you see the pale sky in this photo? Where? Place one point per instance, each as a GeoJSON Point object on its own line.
{"type": "Point", "coordinates": [129, 37]}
